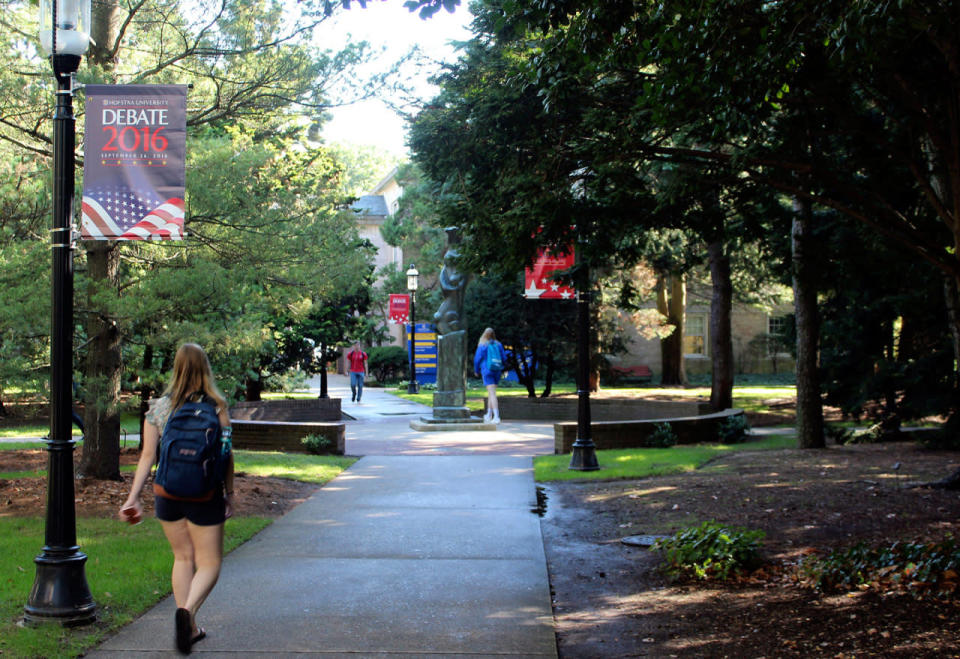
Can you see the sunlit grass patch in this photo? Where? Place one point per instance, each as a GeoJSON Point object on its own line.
{"type": "Point", "coordinates": [646, 462]}
{"type": "Point", "coordinates": [296, 466]}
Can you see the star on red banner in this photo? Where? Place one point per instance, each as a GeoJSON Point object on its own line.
{"type": "Point", "coordinates": [537, 281]}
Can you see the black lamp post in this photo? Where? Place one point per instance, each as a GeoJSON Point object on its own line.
{"type": "Point", "coordinates": [584, 453]}
{"type": "Point", "coordinates": [412, 276]}
{"type": "Point", "coordinates": [60, 592]}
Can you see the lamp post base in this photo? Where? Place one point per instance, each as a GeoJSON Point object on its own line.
{"type": "Point", "coordinates": [584, 456]}
{"type": "Point", "coordinates": [60, 593]}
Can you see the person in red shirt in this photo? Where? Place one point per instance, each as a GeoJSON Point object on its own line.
{"type": "Point", "coordinates": [358, 371]}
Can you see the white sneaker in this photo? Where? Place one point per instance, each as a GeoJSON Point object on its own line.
{"type": "Point", "coordinates": [487, 416]}
{"type": "Point", "coordinates": [496, 419]}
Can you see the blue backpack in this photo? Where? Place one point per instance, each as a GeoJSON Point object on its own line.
{"type": "Point", "coordinates": [494, 358]}
{"type": "Point", "coordinates": [191, 463]}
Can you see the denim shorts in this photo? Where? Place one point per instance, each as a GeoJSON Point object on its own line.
{"type": "Point", "coordinates": [201, 513]}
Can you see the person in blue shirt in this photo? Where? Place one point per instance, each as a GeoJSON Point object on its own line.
{"type": "Point", "coordinates": [488, 364]}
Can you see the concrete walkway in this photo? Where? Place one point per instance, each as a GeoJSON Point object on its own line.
{"type": "Point", "coordinates": [381, 426]}
{"type": "Point", "coordinates": [421, 549]}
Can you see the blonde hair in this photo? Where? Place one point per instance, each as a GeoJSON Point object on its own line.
{"type": "Point", "coordinates": [191, 375]}
{"type": "Point", "coordinates": [487, 336]}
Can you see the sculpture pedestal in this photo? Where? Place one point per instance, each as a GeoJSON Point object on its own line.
{"type": "Point", "coordinates": [433, 424]}
{"type": "Point", "coordinates": [450, 399]}
{"type": "Point", "coordinates": [450, 411]}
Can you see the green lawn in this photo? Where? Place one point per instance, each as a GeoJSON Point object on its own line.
{"type": "Point", "coordinates": [751, 397]}
{"type": "Point", "coordinates": [16, 446]}
{"type": "Point", "coordinates": [129, 424]}
{"type": "Point", "coordinates": [476, 393]}
{"type": "Point", "coordinates": [295, 466]}
{"type": "Point", "coordinates": [128, 571]}
{"type": "Point", "coordinates": [643, 463]}
{"type": "Point", "coordinates": [128, 567]}
{"type": "Point", "coordinates": [282, 395]}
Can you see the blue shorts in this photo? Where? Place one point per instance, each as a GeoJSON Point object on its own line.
{"type": "Point", "coordinates": [201, 513]}
{"type": "Point", "coordinates": [491, 378]}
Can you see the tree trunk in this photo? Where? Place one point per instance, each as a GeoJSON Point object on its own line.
{"type": "Point", "coordinates": [596, 331]}
{"type": "Point", "coordinates": [101, 441]}
{"type": "Point", "coordinates": [809, 403]}
{"type": "Point", "coordinates": [672, 304]}
{"type": "Point", "coordinates": [525, 372]}
{"type": "Point", "coordinates": [105, 22]}
{"type": "Point", "coordinates": [146, 390]}
{"type": "Point", "coordinates": [253, 389]}
{"type": "Point", "coordinates": [721, 340]}
{"type": "Point", "coordinates": [548, 378]}
{"type": "Point", "coordinates": [951, 295]}
{"type": "Point", "coordinates": [524, 367]}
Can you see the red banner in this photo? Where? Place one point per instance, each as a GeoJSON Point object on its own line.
{"type": "Point", "coordinates": [537, 281]}
{"type": "Point", "coordinates": [399, 308]}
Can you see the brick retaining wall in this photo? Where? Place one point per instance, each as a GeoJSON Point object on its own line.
{"type": "Point", "coordinates": [289, 409]}
{"type": "Point", "coordinates": [601, 409]}
{"type": "Point", "coordinates": [633, 434]}
{"type": "Point", "coordinates": [285, 435]}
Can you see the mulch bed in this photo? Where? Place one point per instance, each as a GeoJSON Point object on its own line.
{"type": "Point", "coordinates": [22, 497]}
{"type": "Point", "coordinates": [612, 600]}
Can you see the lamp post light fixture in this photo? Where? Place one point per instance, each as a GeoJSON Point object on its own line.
{"type": "Point", "coordinates": [60, 592]}
{"type": "Point", "coordinates": [412, 282]}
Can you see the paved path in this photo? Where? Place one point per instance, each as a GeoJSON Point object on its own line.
{"type": "Point", "coordinates": [381, 426]}
{"type": "Point", "coordinates": [426, 547]}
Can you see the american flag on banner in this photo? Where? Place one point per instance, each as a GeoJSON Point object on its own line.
{"type": "Point", "coordinates": [115, 212]}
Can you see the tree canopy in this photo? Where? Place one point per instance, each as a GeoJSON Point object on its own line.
{"type": "Point", "coordinates": [271, 244]}
{"type": "Point", "coordinates": [574, 119]}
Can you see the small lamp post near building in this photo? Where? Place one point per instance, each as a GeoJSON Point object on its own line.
{"type": "Point", "coordinates": [60, 592]}
{"type": "Point", "coordinates": [413, 276]}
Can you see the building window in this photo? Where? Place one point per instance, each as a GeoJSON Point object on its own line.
{"type": "Point", "coordinates": [776, 325]}
{"type": "Point", "coordinates": [779, 329]}
{"type": "Point", "coordinates": [695, 335]}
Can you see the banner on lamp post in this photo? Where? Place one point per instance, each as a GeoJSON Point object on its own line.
{"type": "Point", "coordinates": [399, 311]}
{"type": "Point", "coordinates": [134, 162]}
{"type": "Point", "coordinates": [537, 281]}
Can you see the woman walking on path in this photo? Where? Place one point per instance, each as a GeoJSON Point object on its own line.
{"type": "Point", "coordinates": [488, 364]}
{"type": "Point", "coordinates": [194, 526]}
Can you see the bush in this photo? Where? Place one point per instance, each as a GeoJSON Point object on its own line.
{"type": "Point", "coordinates": [711, 551]}
{"type": "Point", "coordinates": [940, 439]}
{"type": "Point", "coordinates": [388, 363]}
{"type": "Point", "coordinates": [919, 568]}
{"type": "Point", "coordinates": [733, 429]}
{"type": "Point", "coordinates": [839, 434]}
{"type": "Point", "coordinates": [662, 436]}
{"type": "Point", "coordinates": [292, 380]}
{"type": "Point", "coordinates": [317, 444]}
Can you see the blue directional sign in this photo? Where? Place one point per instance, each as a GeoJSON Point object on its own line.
{"type": "Point", "coordinates": [424, 352]}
